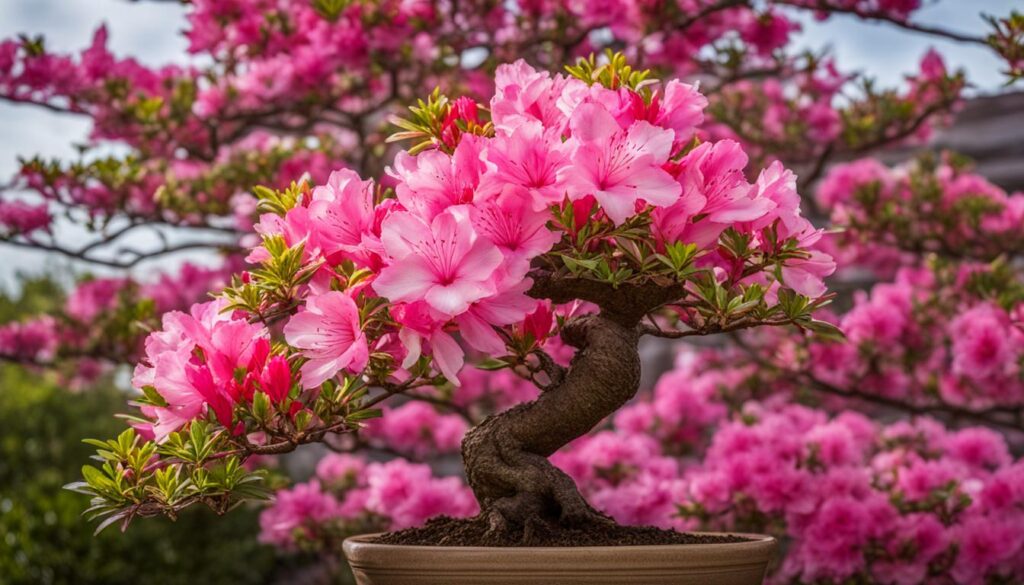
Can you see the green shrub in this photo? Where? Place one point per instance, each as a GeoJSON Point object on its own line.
{"type": "Point", "coordinates": [43, 537]}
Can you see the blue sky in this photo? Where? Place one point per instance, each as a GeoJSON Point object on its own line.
{"type": "Point", "coordinates": [150, 32]}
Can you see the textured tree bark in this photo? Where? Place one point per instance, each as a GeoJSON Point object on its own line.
{"type": "Point", "coordinates": [506, 455]}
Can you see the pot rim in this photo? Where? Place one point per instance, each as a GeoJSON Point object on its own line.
{"type": "Point", "coordinates": [435, 565]}
{"type": "Point", "coordinates": [363, 541]}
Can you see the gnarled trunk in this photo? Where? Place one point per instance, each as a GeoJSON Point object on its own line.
{"type": "Point", "coordinates": [506, 455]}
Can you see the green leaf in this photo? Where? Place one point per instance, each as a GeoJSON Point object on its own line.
{"type": "Point", "coordinates": [824, 330]}
{"type": "Point", "coordinates": [365, 414]}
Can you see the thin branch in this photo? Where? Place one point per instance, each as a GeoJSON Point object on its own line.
{"type": "Point", "coordinates": [136, 256]}
{"type": "Point", "coordinates": [883, 17]}
{"type": "Point", "coordinates": [655, 331]}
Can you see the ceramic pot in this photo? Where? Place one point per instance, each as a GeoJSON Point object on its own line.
{"type": "Point", "coordinates": [740, 563]}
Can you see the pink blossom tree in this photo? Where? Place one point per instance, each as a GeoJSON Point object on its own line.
{"type": "Point", "coordinates": [492, 280]}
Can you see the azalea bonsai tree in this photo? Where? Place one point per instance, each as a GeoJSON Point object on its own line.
{"type": "Point", "coordinates": [494, 277]}
{"type": "Point", "coordinates": [581, 214]}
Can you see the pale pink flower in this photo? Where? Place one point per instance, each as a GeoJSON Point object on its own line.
{"type": "Point", "coordinates": [529, 157]}
{"type": "Point", "coordinates": [433, 181]}
{"type": "Point", "coordinates": [515, 227]}
{"type": "Point", "coordinates": [329, 334]}
{"type": "Point", "coordinates": [619, 167]}
{"type": "Point", "coordinates": [441, 261]}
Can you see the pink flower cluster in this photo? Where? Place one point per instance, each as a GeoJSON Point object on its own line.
{"type": "Point", "coordinates": [901, 503]}
{"type": "Point", "coordinates": [207, 360]}
{"type": "Point", "coordinates": [904, 503]}
{"type": "Point", "coordinates": [33, 340]}
{"type": "Point", "coordinates": [799, 113]}
{"type": "Point", "coordinates": [350, 494]}
{"type": "Point", "coordinates": [417, 430]}
{"type": "Point", "coordinates": [88, 334]}
{"type": "Point", "coordinates": [453, 249]}
{"type": "Point", "coordinates": [94, 84]}
{"type": "Point", "coordinates": [856, 500]}
{"type": "Point", "coordinates": [892, 214]}
{"type": "Point", "coordinates": [923, 338]}
{"type": "Point", "coordinates": [19, 217]}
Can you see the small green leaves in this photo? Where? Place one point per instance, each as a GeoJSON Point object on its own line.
{"type": "Point", "coordinates": [1007, 39]}
{"type": "Point", "coordinates": [272, 287]}
{"type": "Point", "coordinates": [140, 478]}
{"type": "Point", "coordinates": [261, 407]}
{"type": "Point", "coordinates": [679, 256]}
{"type": "Point", "coordinates": [330, 9]}
{"type": "Point", "coordinates": [430, 119]}
{"type": "Point", "coordinates": [824, 330]}
{"type": "Point", "coordinates": [280, 201]}
{"type": "Point", "coordinates": [614, 73]}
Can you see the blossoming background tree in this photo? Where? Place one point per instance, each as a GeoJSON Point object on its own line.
{"type": "Point", "coordinates": [306, 89]}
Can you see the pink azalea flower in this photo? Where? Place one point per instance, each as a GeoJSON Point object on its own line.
{"type": "Point", "coordinates": [716, 171]}
{"type": "Point", "coordinates": [505, 308]}
{"type": "Point", "coordinates": [93, 297]}
{"type": "Point", "coordinates": [340, 469]}
{"type": "Point", "coordinates": [418, 326]}
{"type": "Point", "coordinates": [330, 335]}
{"type": "Point", "coordinates": [680, 109]}
{"type": "Point", "coordinates": [189, 382]}
{"type": "Point", "coordinates": [523, 95]}
{"type": "Point", "coordinates": [20, 217]}
{"type": "Point", "coordinates": [409, 495]}
{"type": "Point", "coordinates": [443, 262]}
{"type": "Point", "coordinates": [619, 167]}
{"type": "Point", "coordinates": [778, 184]}
{"type": "Point", "coordinates": [512, 224]}
{"type": "Point", "coordinates": [804, 275]}
{"type": "Point", "coordinates": [984, 544]}
{"type": "Point", "coordinates": [432, 181]}
{"type": "Point", "coordinates": [530, 157]}
{"type": "Point", "coordinates": [982, 344]}
{"type": "Point", "coordinates": [343, 212]}
{"type": "Point", "coordinates": [297, 510]}
{"type": "Point", "coordinates": [417, 429]}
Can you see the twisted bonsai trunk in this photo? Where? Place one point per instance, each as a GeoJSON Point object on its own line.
{"type": "Point", "coordinates": [506, 456]}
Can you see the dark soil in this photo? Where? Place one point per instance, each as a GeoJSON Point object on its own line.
{"type": "Point", "coordinates": [445, 531]}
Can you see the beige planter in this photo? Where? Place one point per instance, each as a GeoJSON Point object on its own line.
{"type": "Point", "coordinates": [741, 563]}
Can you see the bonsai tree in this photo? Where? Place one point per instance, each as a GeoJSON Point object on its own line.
{"type": "Point", "coordinates": [276, 96]}
{"type": "Point", "coordinates": [582, 210]}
